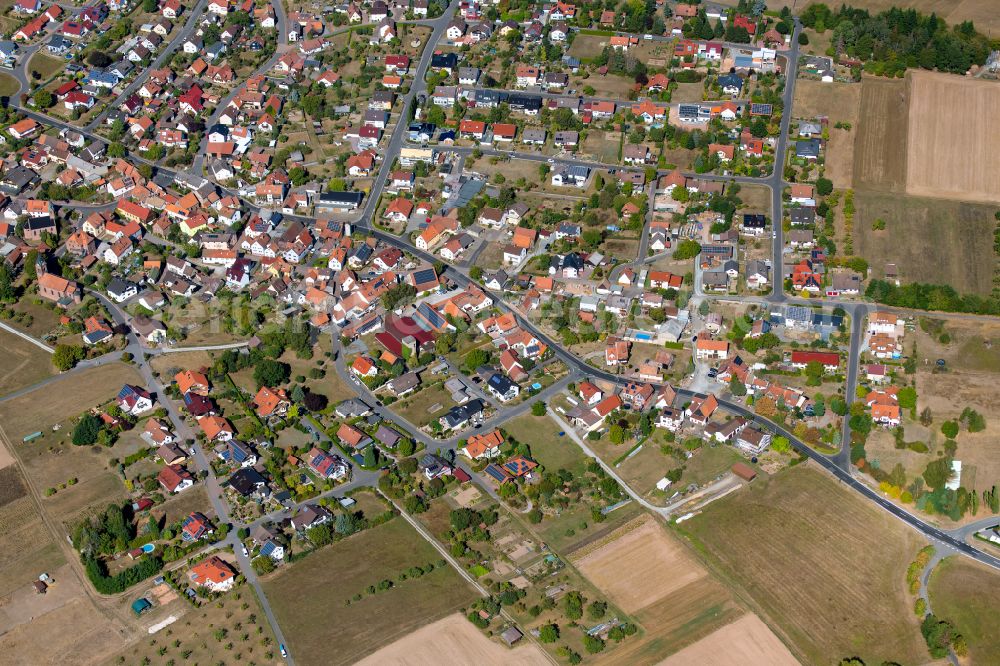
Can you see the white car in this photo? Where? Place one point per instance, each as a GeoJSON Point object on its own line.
{"type": "Point", "coordinates": [246, 553]}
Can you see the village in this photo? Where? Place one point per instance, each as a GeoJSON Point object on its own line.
{"type": "Point", "coordinates": [484, 289]}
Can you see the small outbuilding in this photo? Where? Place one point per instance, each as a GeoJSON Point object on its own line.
{"type": "Point", "coordinates": [744, 471]}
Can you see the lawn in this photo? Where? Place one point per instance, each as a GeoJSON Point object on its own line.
{"type": "Point", "coordinates": [310, 597]}
{"type": "Point", "coordinates": [967, 594]}
{"type": "Point", "coordinates": [547, 447]}
{"type": "Point", "coordinates": [25, 364]}
{"type": "Point", "coordinates": [427, 405]}
{"type": "Point", "coordinates": [8, 85]}
{"type": "Point", "coordinates": [46, 66]}
{"type": "Point", "coordinates": [63, 401]}
{"type": "Point", "coordinates": [847, 559]}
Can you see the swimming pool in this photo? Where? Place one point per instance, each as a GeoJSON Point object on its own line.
{"type": "Point", "coordinates": [148, 548]}
{"type": "Point", "coordinates": [643, 336]}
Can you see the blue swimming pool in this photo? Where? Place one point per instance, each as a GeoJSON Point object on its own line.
{"type": "Point", "coordinates": [148, 548]}
{"type": "Point", "coordinates": [643, 336]}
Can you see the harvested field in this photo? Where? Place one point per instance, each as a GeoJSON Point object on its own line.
{"type": "Point", "coordinates": [24, 364]}
{"type": "Point", "coordinates": [452, 640]}
{"type": "Point", "coordinates": [64, 399]}
{"type": "Point", "coordinates": [839, 102]}
{"type": "Point", "coordinates": [313, 619]}
{"type": "Point", "coordinates": [745, 642]}
{"type": "Point", "coordinates": [967, 594]}
{"type": "Point", "coordinates": [639, 565]}
{"type": "Point", "coordinates": [953, 149]}
{"type": "Point", "coordinates": [929, 240]}
{"type": "Point", "coordinates": [880, 147]}
{"type": "Point", "coordinates": [847, 559]}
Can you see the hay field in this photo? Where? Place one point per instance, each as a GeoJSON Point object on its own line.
{"type": "Point", "coordinates": [880, 145]}
{"type": "Point", "coordinates": [452, 640]}
{"type": "Point", "coordinates": [929, 240]}
{"type": "Point", "coordinates": [953, 149]}
{"type": "Point", "coordinates": [24, 364]}
{"type": "Point", "coordinates": [64, 400]}
{"type": "Point", "coordinates": [825, 567]}
{"type": "Point", "coordinates": [967, 594]}
{"type": "Point", "coordinates": [640, 567]}
{"type": "Point", "coordinates": [840, 102]}
{"type": "Point", "coordinates": [745, 642]}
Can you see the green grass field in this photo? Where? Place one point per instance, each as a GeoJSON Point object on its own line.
{"type": "Point", "coordinates": [25, 364]}
{"type": "Point", "coordinates": [8, 85]}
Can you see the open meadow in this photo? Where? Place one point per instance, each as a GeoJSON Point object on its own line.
{"type": "Point", "coordinates": [954, 137]}
{"type": "Point", "coordinates": [967, 594]}
{"type": "Point", "coordinates": [310, 598]}
{"type": "Point", "coordinates": [930, 240]}
{"type": "Point", "coordinates": [823, 566]}
{"type": "Point", "coordinates": [24, 364]}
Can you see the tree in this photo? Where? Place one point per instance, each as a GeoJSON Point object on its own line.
{"type": "Point", "coordinates": [43, 98]}
{"type": "Point", "coordinates": [539, 408]}
{"type": "Point", "coordinates": [86, 430]}
{"type": "Point", "coordinates": [548, 633]}
{"type": "Point", "coordinates": [371, 457]}
{"type": "Point", "coordinates": [65, 357]}
{"type": "Point", "coordinates": [907, 397]}
{"type": "Point", "coordinates": [573, 605]}
{"type": "Point", "coordinates": [737, 387]}
{"type": "Point", "coordinates": [593, 644]}
{"type": "Point", "coordinates": [405, 447]}
{"type": "Point", "coordinates": [476, 358]}
{"type": "Point", "coordinates": [937, 473]}
{"type": "Point", "coordinates": [814, 373]}
{"type": "Point", "coordinates": [824, 186]}
{"type": "Point", "coordinates": [616, 434]}
{"type": "Point", "coordinates": [926, 418]}
{"type": "Point", "coordinates": [476, 273]}
{"type": "Point", "coordinates": [597, 610]}
{"type": "Point", "coordinates": [949, 429]}
{"type": "Point", "coordinates": [687, 249]}
{"type": "Point", "coordinates": [269, 372]}
{"type": "Point", "coordinates": [263, 565]}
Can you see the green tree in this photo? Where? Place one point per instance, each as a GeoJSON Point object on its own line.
{"type": "Point", "coordinates": [737, 387]}
{"type": "Point", "coordinates": [616, 434]}
{"type": "Point", "coordinates": [538, 408]}
{"type": "Point", "coordinates": [86, 430]}
{"type": "Point", "coordinates": [269, 372]}
{"type": "Point", "coordinates": [597, 610]}
{"type": "Point", "coordinates": [907, 397]}
{"type": "Point", "coordinates": [687, 249]}
{"type": "Point", "coordinates": [824, 186]}
{"type": "Point", "coordinates": [949, 429]}
{"type": "Point", "coordinates": [65, 357]}
{"type": "Point", "coordinates": [548, 633]}
{"type": "Point", "coordinates": [43, 98]}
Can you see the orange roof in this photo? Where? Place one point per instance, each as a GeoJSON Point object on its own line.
{"type": "Point", "coordinates": [213, 425]}
{"type": "Point", "coordinates": [524, 237]}
{"type": "Point", "coordinates": [214, 570]}
{"type": "Point", "coordinates": [712, 345]}
{"type": "Point", "coordinates": [362, 365]}
{"type": "Point", "coordinates": [477, 445]}
{"type": "Point", "coordinates": [268, 400]}
{"type": "Point", "coordinates": [188, 380]}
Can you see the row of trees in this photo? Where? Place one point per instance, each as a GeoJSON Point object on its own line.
{"type": "Point", "coordinates": [897, 38]}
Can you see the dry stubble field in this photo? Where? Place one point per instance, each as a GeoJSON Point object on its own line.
{"type": "Point", "coordinates": [745, 642]}
{"type": "Point", "coordinates": [880, 146]}
{"type": "Point", "coordinates": [453, 640]}
{"type": "Point", "coordinates": [647, 573]}
{"type": "Point", "coordinates": [822, 565]}
{"type": "Point", "coordinates": [954, 137]}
